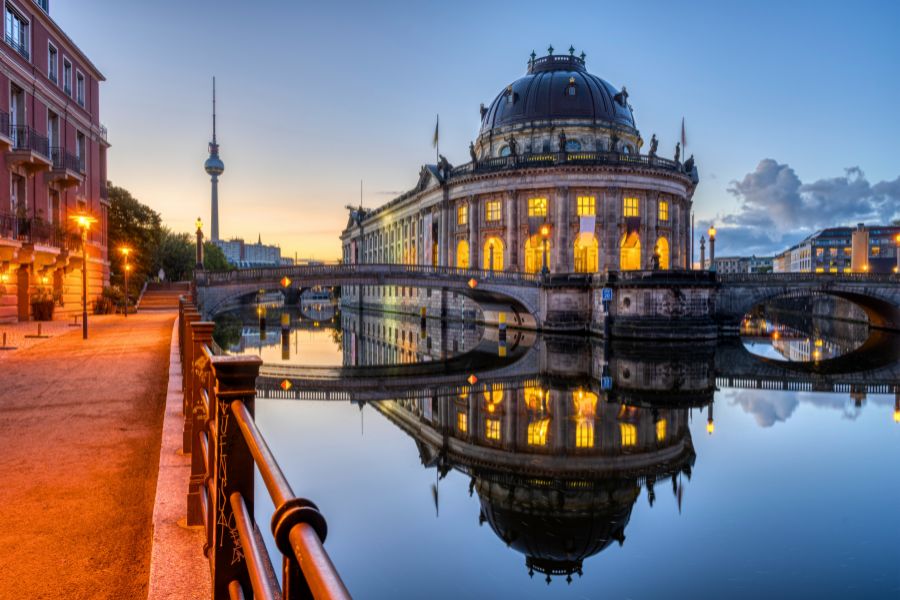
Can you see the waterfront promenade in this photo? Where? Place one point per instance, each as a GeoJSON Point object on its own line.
{"type": "Point", "coordinates": [81, 435]}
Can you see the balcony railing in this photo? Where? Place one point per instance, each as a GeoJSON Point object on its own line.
{"type": "Point", "coordinates": [547, 159]}
{"type": "Point", "coordinates": [226, 447]}
{"type": "Point", "coordinates": [104, 191]}
{"type": "Point", "coordinates": [66, 160]}
{"type": "Point", "coordinates": [26, 138]}
{"type": "Point", "coordinates": [37, 231]}
{"type": "Point", "coordinates": [18, 47]}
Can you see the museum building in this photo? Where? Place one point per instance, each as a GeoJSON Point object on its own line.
{"type": "Point", "coordinates": [556, 183]}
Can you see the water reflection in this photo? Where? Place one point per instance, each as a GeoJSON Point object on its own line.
{"type": "Point", "coordinates": [791, 337]}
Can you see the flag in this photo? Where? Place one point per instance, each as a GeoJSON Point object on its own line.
{"type": "Point", "coordinates": [683, 135]}
{"type": "Point", "coordinates": [437, 122]}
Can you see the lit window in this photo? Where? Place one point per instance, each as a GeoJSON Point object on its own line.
{"type": "Point", "coordinates": [663, 210]}
{"type": "Point", "coordinates": [571, 89]}
{"type": "Point", "coordinates": [876, 250]}
{"type": "Point", "coordinates": [537, 432]}
{"type": "Point", "coordinates": [587, 206]}
{"type": "Point", "coordinates": [847, 251]}
{"type": "Point", "coordinates": [584, 433]}
{"type": "Point", "coordinates": [832, 251]}
{"type": "Point", "coordinates": [661, 430]}
{"type": "Point", "coordinates": [462, 255]}
{"type": "Point", "coordinates": [631, 207]}
{"type": "Point", "coordinates": [820, 251]}
{"type": "Point", "coordinates": [628, 433]}
{"type": "Point", "coordinates": [492, 210]}
{"type": "Point", "coordinates": [462, 215]}
{"type": "Point", "coordinates": [492, 429]}
{"type": "Point", "coordinates": [820, 269]}
{"type": "Point", "coordinates": [537, 207]}
{"type": "Point", "coordinates": [462, 422]}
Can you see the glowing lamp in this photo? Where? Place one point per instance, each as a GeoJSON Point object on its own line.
{"type": "Point", "coordinates": [712, 232]}
{"type": "Point", "coordinates": [473, 283]}
{"type": "Point", "coordinates": [84, 221]}
{"type": "Point", "coordinates": [285, 282]}
{"type": "Point", "coordinates": [286, 384]}
{"type": "Point", "coordinates": [897, 239]}
{"type": "Point", "coordinates": [775, 335]}
{"type": "Point", "coordinates": [545, 231]}
{"type": "Point", "coordinates": [128, 267]}
{"type": "Point", "coordinates": [710, 427]}
{"type": "Point", "coordinates": [199, 224]}
{"type": "Point", "coordinates": [125, 250]}
{"type": "Point", "coordinates": [897, 415]}
{"type": "Point", "coordinates": [44, 279]}
{"type": "Point", "coordinates": [472, 379]}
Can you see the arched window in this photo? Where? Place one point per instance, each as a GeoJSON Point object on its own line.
{"type": "Point", "coordinates": [493, 254]}
{"type": "Point", "coordinates": [571, 89]}
{"type": "Point", "coordinates": [585, 417]}
{"type": "Point", "coordinates": [628, 433]}
{"type": "Point", "coordinates": [573, 146]}
{"type": "Point", "coordinates": [586, 253]}
{"type": "Point", "coordinates": [534, 254]}
{"type": "Point", "coordinates": [504, 151]}
{"type": "Point", "coordinates": [662, 247]}
{"type": "Point", "coordinates": [630, 252]}
{"type": "Point", "coordinates": [626, 149]}
{"type": "Point", "coordinates": [462, 254]}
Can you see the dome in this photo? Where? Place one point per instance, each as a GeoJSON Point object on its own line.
{"type": "Point", "coordinates": [214, 165]}
{"type": "Point", "coordinates": [558, 87]}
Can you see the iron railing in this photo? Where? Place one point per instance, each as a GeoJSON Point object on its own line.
{"type": "Point", "coordinates": [205, 278]}
{"type": "Point", "coordinates": [37, 231]}
{"type": "Point", "coordinates": [18, 47]}
{"type": "Point", "coordinates": [26, 138]}
{"type": "Point", "coordinates": [104, 191]}
{"type": "Point", "coordinates": [66, 160]}
{"type": "Point", "coordinates": [225, 445]}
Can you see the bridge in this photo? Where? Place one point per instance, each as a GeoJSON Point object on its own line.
{"type": "Point", "coordinates": [645, 303]}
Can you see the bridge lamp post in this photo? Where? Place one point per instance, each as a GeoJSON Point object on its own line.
{"type": "Point", "coordinates": [199, 224]}
{"type": "Point", "coordinates": [125, 250]}
{"type": "Point", "coordinates": [712, 247]}
{"type": "Point", "coordinates": [710, 423]}
{"type": "Point", "coordinates": [545, 237]}
{"type": "Point", "coordinates": [897, 241]}
{"type": "Point", "coordinates": [84, 222]}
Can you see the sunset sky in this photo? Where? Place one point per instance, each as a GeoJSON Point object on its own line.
{"type": "Point", "coordinates": [780, 100]}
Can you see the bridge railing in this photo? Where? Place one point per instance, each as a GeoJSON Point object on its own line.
{"type": "Point", "coordinates": [225, 446]}
{"type": "Point", "coordinates": [806, 277]}
{"type": "Point", "coordinates": [258, 274]}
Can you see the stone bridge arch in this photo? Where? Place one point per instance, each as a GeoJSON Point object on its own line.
{"type": "Point", "coordinates": [878, 296]}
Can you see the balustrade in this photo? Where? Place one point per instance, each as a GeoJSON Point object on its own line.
{"type": "Point", "coordinates": [225, 446]}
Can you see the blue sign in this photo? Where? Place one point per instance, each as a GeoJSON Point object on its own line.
{"type": "Point", "coordinates": [606, 382]}
{"type": "Point", "coordinates": [607, 294]}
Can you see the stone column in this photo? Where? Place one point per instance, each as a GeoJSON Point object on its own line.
{"type": "Point", "coordinates": [474, 240]}
{"type": "Point", "coordinates": [562, 246]}
{"type": "Point", "coordinates": [512, 231]}
{"type": "Point", "coordinates": [444, 241]}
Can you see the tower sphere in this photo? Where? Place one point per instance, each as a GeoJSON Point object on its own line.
{"type": "Point", "coordinates": [214, 165]}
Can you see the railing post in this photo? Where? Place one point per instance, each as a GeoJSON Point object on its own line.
{"type": "Point", "coordinates": [190, 317]}
{"type": "Point", "coordinates": [202, 335]}
{"type": "Point", "coordinates": [235, 379]}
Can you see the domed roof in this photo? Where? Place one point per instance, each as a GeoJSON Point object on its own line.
{"type": "Point", "coordinates": [544, 93]}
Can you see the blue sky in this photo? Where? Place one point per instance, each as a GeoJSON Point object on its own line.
{"type": "Point", "coordinates": [314, 97]}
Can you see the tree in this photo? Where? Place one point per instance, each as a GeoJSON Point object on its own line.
{"type": "Point", "coordinates": [136, 226]}
{"type": "Point", "coordinates": [214, 259]}
{"type": "Point", "coordinates": [175, 255]}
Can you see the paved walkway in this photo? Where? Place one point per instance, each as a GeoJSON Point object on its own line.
{"type": "Point", "coordinates": [80, 432]}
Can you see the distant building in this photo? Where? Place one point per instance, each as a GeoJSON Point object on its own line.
{"type": "Point", "coordinates": [241, 254]}
{"type": "Point", "coordinates": [744, 264]}
{"type": "Point", "coordinates": [843, 250]}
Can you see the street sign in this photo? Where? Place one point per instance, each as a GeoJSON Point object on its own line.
{"type": "Point", "coordinates": [607, 294]}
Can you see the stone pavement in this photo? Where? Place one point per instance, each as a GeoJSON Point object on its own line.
{"type": "Point", "coordinates": [80, 432]}
{"type": "Point", "coordinates": [24, 335]}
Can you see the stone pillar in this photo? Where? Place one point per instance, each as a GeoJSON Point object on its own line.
{"type": "Point", "coordinates": [444, 241]}
{"type": "Point", "coordinates": [474, 239]}
{"type": "Point", "coordinates": [562, 245]}
{"type": "Point", "coordinates": [512, 231]}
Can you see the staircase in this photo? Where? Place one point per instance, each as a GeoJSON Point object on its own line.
{"type": "Point", "coordinates": [163, 296]}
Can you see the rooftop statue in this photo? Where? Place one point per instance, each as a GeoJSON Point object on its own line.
{"type": "Point", "coordinates": [689, 164]}
{"type": "Point", "coordinates": [562, 141]}
{"type": "Point", "coordinates": [654, 144]}
{"type": "Point", "coordinates": [622, 97]}
{"type": "Point", "coordinates": [483, 110]}
{"type": "Point", "coordinates": [677, 151]}
{"type": "Point", "coordinates": [472, 152]}
{"type": "Point", "coordinates": [513, 146]}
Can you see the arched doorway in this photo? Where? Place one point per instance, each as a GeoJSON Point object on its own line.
{"type": "Point", "coordinates": [493, 254]}
{"type": "Point", "coordinates": [534, 254]}
{"type": "Point", "coordinates": [662, 247]}
{"type": "Point", "coordinates": [462, 254]}
{"type": "Point", "coordinates": [587, 252]}
{"type": "Point", "coordinates": [630, 252]}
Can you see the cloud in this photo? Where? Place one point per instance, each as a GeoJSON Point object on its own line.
{"type": "Point", "coordinates": [777, 209]}
{"type": "Point", "coordinates": [769, 407]}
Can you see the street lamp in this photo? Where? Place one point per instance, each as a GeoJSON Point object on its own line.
{"type": "Point", "coordinates": [545, 236]}
{"type": "Point", "coordinates": [125, 250]}
{"type": "Point", "coordinates": [897, 241]}
{"type": "Point", "coordinates": [84, 221]}
{"type": "Point", "coordinates": [712, 247]}
{"type": "Point", "coordinates": [199, 244]}
{"type": "Point", "coordinates": [710, 423]}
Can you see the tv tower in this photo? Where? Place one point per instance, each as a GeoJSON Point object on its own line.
{"type": "Point", "coordinates": [215, 167]}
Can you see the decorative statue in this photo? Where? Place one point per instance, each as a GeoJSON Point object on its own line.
{"type": "Point", "coordinates": [622, 97]}
{"type": "Point", "coordinates": [513, 146]}
{"type": "Point", "coordinates": [482, 110]}
{"type": "Point", "coordinates": [654, 143]}
{"type": "Point", "coordinates": [689, 164]}
{"type": "Point", "coordinates": [472, 152]}
{"type": "Point", "coordinates": [614, 143]}
{"type": "Point", "coordinates": [444, 165]}
{"type": "Point", "coordinates": [677, 151]}
{"type": "Point", "coordinates": [562, 141]}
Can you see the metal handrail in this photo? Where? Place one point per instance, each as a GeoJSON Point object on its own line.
{"type": "Point", "coordinates": [65, 160]}
{"type": "Point", "coordinates": [26, 138]}
{"type": "Point", "coordinates": [588, 158]}
{"type": "Point", "coordinates": [225, 444]}
{"type": "Point", "coordinates": [18, 47]}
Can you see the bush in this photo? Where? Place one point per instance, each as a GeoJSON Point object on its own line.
{"type": "Point", "coordinates": [110, 300]}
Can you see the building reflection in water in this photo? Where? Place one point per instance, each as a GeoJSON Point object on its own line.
{"type": "Point", "coordinates": [557, 470]}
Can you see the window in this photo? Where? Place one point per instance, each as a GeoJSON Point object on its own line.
{"type": "Point", "coordinates": [820, 252]}
{"type": "Point", "coordinates": [537, 432]}
{"type": "Point", "coordinates": [17, 31]}
{"type": "Point", "coordinates": [629, 434]}
{"type": "Point", "coordinates": [661, 430]}
{"type": "Point", "coordinates": [584, 433]}
{"type": "Point", "coordinates": [80, 150]}
{"type": "Point", "coordinates": [631, 207]}
{"type": "Point", "coordinates": [67, 77]}
{"type": "Point", "coordinates": [492, 210]}
{"type": "Point", "coordinates": [573, 146]}
{"type": "Point", "coordinates": [44, 4]}
{"type": "Point", "coordinates": [832, 251]}
{"type": "Point", "coordinates": [53, 130]}
{"type": "Point", "coordinates": [462, 215]}
{"type": "Point", "coordinates": [663, 210]}
{"type": "Point", "coordinates": [876, 250]}
{"type": "Point", "coordinates": [462, 422]}
{"type": "Point", "coordinates": [492, 429]}
{"type": "Point", "coordinates": [52, 63]}
{"type": "Point", "coordinates": [587, 206]}
{"type": "Point", "coordinates": [537, 207]}
{"type": "Point", "coordinates": [79, 88]}
{"type": "Point", "coordinates": [505, 151]}
{"type": "Point", "coordinates": [462, 255]}
{"type": "Point", "coordinates": [571, 89]}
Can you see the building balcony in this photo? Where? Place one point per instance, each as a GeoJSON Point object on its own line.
{"type": "Point", "coordinates": [5, 137]}
{"type": "Point", "coordinates": [28, 150]}
{"type": "Point", "coordinates": [67, 170]}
